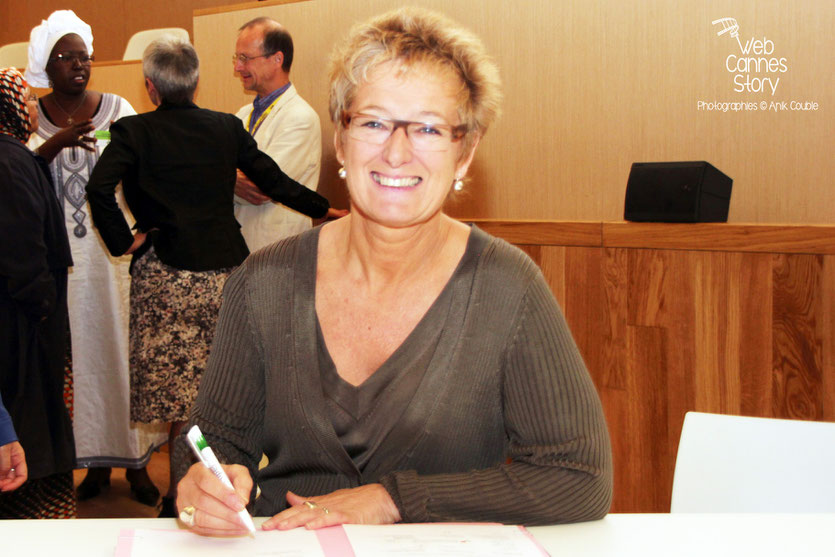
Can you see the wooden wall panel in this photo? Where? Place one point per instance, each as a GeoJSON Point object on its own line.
{"type": "Point", "coordinates": [797, 349]}
{"type": "Point", "coordinates": [647, 474]}
{"type": "Point", "coordinates": [113, 22]}
{"type": "Point", "coordinates": [584, 288]}
{"type": "Point", "coordinates": [718, 237]}
{"type": "Point", "coordinates": [551, 260]}
{"type": "Point", "coordinates": [755, 286]}
{"type": "Point", "coordinates": [665, 331]}
{"type": "Point", "coordinates": [827, 324]}
{"type": "Point", "coordinates": [613, 342]}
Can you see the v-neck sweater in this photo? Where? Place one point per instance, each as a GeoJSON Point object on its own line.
{"type": "Point", "coordinates": [363, 415]}
{"type": "Point", "coordinates": [505, 425]}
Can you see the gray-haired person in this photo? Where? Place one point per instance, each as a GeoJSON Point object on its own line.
{"type": "Point", "coordinates": [177, 166]}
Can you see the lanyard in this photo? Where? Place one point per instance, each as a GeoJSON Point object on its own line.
{"type": "Point", "coordinates": [260, 118]}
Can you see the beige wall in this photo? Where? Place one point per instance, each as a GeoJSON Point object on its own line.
{"type": "Point", "coordinates": [591, 86]}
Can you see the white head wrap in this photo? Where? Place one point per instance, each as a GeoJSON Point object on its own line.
{"type": "Point", "coordinates": [43, 38]}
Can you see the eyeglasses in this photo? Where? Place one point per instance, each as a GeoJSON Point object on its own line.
{"type": "Point", "coordinates": [243, 58]}
{"type": "Point", "coordinates": [69, 58]}
{"type": "Point", "coordinates": [423, 135]}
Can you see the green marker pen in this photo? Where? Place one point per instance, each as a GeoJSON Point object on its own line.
{"type": "Point", "coordinates": [209, 460]}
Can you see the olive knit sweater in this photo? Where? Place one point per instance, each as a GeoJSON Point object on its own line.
{"type": "Point", "coordinates": [505, 425]}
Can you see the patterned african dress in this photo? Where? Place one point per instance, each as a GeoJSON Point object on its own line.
{"type": "Point", "coordinates": [99, 287]}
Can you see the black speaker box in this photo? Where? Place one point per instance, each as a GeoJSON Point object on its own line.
{"type": "Point", "coordinates": [677, 192]}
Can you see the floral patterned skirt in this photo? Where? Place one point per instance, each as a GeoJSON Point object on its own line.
{"type": "Point", "coordinates": [173, 314]}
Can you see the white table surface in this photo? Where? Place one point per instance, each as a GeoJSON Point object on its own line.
{"type": "Point", "coordinates": [622, 535]}
{"type": "Point", "coordinates": [704, 535]}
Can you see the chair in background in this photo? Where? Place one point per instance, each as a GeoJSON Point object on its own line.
{"type": "Point", "coordinates": [735, 464]}
{"type": "Point", "coordinates": [140, 40]}
{"type": "Point", "coordinates": [14, 55]}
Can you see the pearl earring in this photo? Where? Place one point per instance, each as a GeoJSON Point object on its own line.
{"type": "Point", "coordinates": [458, 184]}
{"type": "Point", "coordinates": [341, 172]}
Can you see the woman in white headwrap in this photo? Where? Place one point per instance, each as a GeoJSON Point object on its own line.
{"type": "Point", "coordinates": [60, 57]}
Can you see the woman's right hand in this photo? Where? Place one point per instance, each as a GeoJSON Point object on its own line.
{"type": "Point", "coordinates": [216, 506]}
{"type": "Point", "coordinates": [71, 136]}
{"type": "Point", "coordinates": [76, 136]}
{"type": "Point", "coordinates": [138, 239]}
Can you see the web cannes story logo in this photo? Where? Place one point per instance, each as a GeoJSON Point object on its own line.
{"type": "Point", "coordinates": [756, 68]}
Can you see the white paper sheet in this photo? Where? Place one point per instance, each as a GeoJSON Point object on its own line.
{"type": "Point", "coordinates": [442, 539]}
{"type": "Point", "coordinates": [182, 543]}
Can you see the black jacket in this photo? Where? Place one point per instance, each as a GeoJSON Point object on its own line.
{"type": "Point", "coordinates": [34, 240]}
{"type": "Point", "coordinates": [177, 166]}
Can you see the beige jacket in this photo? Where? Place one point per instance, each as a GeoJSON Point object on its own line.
{"type": "Point", "coordinates": [292, 136]}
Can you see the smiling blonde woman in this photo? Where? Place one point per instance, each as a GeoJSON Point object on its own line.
{"type": "Point", "coordinates": [396, 364]}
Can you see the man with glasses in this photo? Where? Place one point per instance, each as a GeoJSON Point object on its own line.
{"type": "Point", "coordinates": [282, 123]}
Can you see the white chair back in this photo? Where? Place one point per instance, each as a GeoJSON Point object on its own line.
{"type": "Point", "coordinates": [139, 41]}
{"type": "Point", "coordinates": [736, 464]}
{"type": "Point", "coordinates": [14, 55]}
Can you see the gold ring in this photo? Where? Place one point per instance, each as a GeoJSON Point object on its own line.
{"type": "Point", "coordinates": [80, 138]}
{"type": "Point", "coordinates": [187, 516]}
{"type": "Point", "coordinates": [325, 510]}
{"type": "Point", "coordinates": [311, 504]}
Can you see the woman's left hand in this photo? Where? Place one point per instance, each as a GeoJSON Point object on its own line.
{"type": "Point", "coordinates": [13, 470]}
{"type": "Point", "coordinates": [367, 504]}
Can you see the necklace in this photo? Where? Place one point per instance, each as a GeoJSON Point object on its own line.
{"type": "Point", "coordinates": [70, 114]}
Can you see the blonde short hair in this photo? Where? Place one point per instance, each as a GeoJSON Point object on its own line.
{"type": "Point", "coordinates": [411, 37]}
